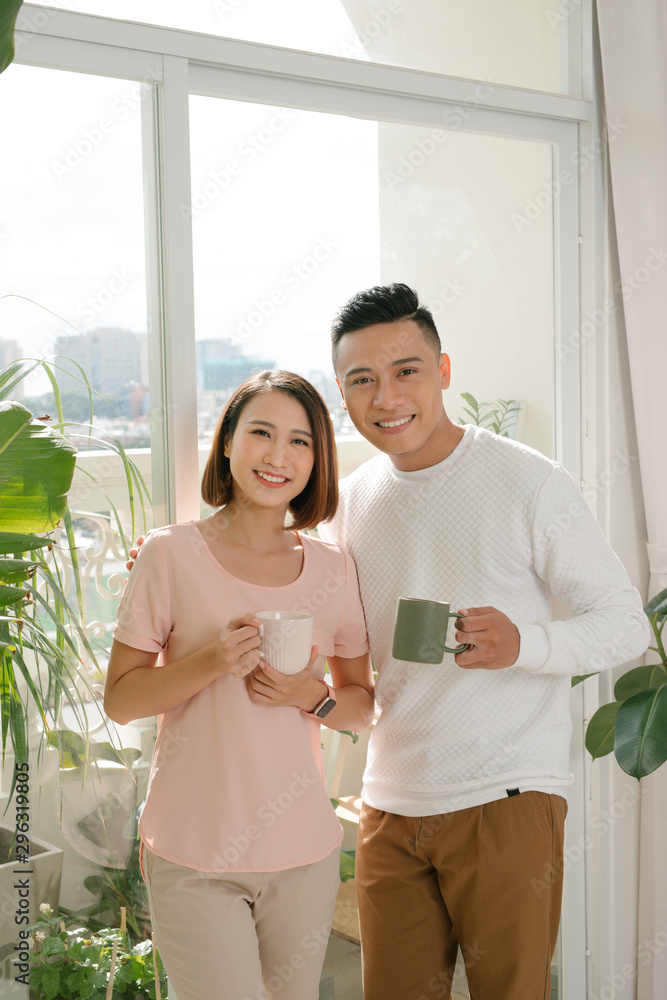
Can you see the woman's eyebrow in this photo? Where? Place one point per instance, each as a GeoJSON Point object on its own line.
{"type": "Point", "coordinates": [266, 423]}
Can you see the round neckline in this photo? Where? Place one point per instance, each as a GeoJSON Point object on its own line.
{"type": "Point", "coordinates": [248, 583]}
{"type": "Point", "coordinates": [415, 475]}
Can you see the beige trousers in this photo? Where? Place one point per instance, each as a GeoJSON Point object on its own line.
{"type": "Point", "coordinates": [245, 935]}
{"type": "Point", "coordinates": [486, 879]}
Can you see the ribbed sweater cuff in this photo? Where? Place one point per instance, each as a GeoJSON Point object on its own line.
{"type": "Point", "coordinates": [534, 647]}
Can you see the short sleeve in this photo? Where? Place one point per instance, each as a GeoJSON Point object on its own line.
{"type": "Point", "coordinates": [144, 614]}
{"type": "Point", "coordinates": [350, 638]}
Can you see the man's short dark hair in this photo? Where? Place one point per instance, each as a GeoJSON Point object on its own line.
{"type": "Point", "coordinates": [383, 304]}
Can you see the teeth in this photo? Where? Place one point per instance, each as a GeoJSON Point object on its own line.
{"type": "Point", "coordinates": [394, 423]}
{"type": "Point", "coordinates": [271, 479]}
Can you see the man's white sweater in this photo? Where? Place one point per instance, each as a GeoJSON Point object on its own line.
{"type": "Point", "coordinates": [495, 524]}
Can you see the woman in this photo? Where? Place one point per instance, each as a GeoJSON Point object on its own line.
{"type": "Point", "coordinates": [239, 841]}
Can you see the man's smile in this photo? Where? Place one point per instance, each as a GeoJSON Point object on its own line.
{"type": "Point", "coordinates": [388, 425]}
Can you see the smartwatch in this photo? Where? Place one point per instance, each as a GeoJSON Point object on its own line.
{"type": "Point", "coordinates": [326, 705]}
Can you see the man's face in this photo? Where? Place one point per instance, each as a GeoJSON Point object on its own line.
{"type": "Point", "coordinates": [392, 381]}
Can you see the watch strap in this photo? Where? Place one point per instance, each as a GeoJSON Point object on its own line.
{"type": "Point", "coordinates": [329, 701]}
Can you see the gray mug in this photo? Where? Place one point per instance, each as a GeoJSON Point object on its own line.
{"type": "Point", "coordinates": [420, 632]}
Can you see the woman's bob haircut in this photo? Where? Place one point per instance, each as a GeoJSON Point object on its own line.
{"type": "Point", "coordinates": [318, 501]}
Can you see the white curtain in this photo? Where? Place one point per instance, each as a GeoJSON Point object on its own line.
{"type": "Point", "coordinates": [633, 41]}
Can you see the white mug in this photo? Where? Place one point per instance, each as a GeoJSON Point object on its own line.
{"type": "Point", "coordinates": [287, 638]}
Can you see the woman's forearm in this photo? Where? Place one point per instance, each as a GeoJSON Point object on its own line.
{"type": "Point", "coordinates": [148, 690]}
{"type": "Point", "coordinates": [355, 709]}
{"type": "Point", "coordinates": [136, 688]}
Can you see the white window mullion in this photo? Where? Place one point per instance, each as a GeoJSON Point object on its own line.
{"type": "Point", "coordinates": [180, 388]}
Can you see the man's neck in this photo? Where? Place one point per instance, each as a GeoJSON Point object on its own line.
{"type": "Point", "coordinates": [439, 446]}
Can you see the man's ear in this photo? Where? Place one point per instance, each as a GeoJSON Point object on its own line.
{"type": "Point", "coordinates": [445, 371]}
{"type": "Point", "coordinates": [342, 396]}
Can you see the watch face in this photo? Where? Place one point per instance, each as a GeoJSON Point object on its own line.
{"type": "Point", "coordinates": [326, 708]}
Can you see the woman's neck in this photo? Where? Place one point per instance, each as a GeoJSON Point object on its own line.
{"type": "Point", "coordinates": [258, 531]}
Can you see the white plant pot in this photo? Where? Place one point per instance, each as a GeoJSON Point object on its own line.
{"type": "Point", "coordinates": [39, 881]}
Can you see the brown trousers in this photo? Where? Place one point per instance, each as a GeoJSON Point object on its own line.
{"type": "Point", "coordinates": [486, 879]}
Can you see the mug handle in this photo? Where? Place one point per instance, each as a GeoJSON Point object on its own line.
{"type": "Point", "coordinates": [459, 649]}
{"type": "Point", "coordinates": [464, 645]}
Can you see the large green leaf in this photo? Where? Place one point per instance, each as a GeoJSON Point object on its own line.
{"type": "Point", "coordinates": [641, 732]}
{"type": "Point", "coordinates": [657, 605]}
{"type": "Point", "coordinates": [600, 731]}
{"type": "Point", "coordinates": [10, 595]}
{"type": "Point", "coordinates": [8, 12]}
{"type": "Point", "coordinates": [36, 469]}
{"type": "Point", "coordinates": [76, 749]}
{"type": "Point", "coordinates": [16, 570]}
{"type": "Point", "coordinates": [15, 542]}
{"type": "Point", "coordinates": [651, 675]}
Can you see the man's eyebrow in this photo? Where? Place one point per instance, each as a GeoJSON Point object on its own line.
{"type": "Point", "coordinates": [265, 423]}
{"type": "Point", "coordinates": [394, 364]}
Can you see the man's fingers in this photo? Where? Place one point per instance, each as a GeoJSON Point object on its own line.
{"type": "Point", "coordinates": [477, 624]}
{"type": "Point", "coordinates": [468, 658]}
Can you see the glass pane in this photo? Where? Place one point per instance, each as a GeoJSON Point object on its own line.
{"type": "Point", "coordinates": [72, 259]}
{"type": "Point", "coordinates": [517, 44]}
{"type": "Point", "coordinates": [294, 211]}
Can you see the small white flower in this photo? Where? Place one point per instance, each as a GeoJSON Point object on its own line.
{"type": "Point", "coordinates": [45, 909]}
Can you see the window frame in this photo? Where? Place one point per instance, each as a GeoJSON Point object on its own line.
{"type": "Point", "coordinates": [176, 64]}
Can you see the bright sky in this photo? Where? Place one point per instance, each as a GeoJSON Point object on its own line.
{"type": "Point", "coordinates": [285, 220]}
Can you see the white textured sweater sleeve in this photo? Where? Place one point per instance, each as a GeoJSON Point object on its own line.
{"type": "Point", "coordinates": [607, 625]}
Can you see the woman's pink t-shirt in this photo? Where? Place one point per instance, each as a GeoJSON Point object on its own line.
{"type": "Point", "coordinates": [235, 786]}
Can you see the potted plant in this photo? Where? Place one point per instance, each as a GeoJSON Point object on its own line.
{"type": "Point", "coordinates": [634, 725]}
{"type": "Point", "coordinates": [501, 416]}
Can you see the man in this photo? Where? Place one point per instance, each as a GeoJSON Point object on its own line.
{"type": "Point", "coordinates": [461, 833]}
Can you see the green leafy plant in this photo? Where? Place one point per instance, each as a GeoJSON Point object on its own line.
{"type": "Point", "coordinates": [77, 964]}
{"type": "Point", "coordinates": [499, 416]}
{"type": "Point", "coordinates": [8, 13]}
{"type": "Point", "coordinates": [46, 658]}
{"type": "Point", "coordinates": [634, 726]}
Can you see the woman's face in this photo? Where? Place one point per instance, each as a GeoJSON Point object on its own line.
{"type": "Point", "coordinates": [271, 452]}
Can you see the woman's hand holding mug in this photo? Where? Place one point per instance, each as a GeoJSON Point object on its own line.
{"type": "Point", "coordinates": [238, 646]}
